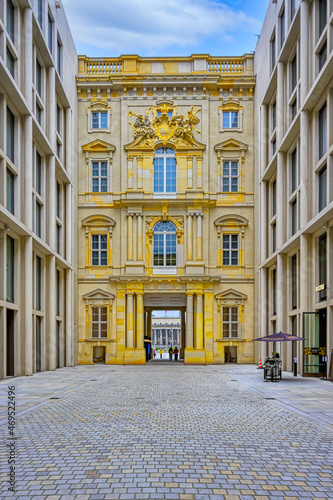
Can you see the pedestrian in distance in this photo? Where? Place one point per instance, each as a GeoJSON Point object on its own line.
{"type": "Point", "coordinates": [170, 353]}
{"type": "Point", "coordinates": [176, 353]}
{"type": "Point", "coordinates": [161, 353]}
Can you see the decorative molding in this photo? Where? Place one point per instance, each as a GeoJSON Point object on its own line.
{"type": "Point", "coordinates": [100, 222]}
{"type": "Point", "coordinates": [98, 146]}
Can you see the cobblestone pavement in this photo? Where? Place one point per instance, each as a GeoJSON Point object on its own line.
{"type": "Point", "coordinates": [163, 431]}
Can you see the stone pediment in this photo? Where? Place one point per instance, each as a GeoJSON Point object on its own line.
{"type": "Point", "coordinates": [231, 220]}
{"type": "Point", "coordinates": [231, 295]}
{"type": "Point", "coordinates": [98, 220]}
{"type": "Point", "coordinates": [98, 146]}
{"type": "Point", "coordinates": [98, 294]}
{"type": "Point", "coordinates": [231, 105]}
{"type": "Point", "coordinates": [231, 145]}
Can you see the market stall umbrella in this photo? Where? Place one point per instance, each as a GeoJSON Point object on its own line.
{"type": "Point", "coordinates": [279, 337]}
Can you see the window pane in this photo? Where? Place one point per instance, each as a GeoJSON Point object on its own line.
{"type": "Point", "coordinates": [234, 330]}
{"type": "Point", "coordinates": [104, 120]}
{"type": "Point", "coordinates": [322, 188]}
{"type": "Point", "coordinates": [234, 241]}
{"type": "Point", "coordinates": [226, 168]}
{"type": "Point", "coordinates": [95, 241]}
{"type": "Point", "coordinates": [234, 313]}
{"type": "Point", "coordinates": [10, 19]}
{"type": "Point", "coordinates": [322, 131]}
{"type": "Point", "coordinates": [226, 119]}
{"type": "Point", "coordinates": [10, 270]}
{"type": "Point", "coordinates": [103, 314]}
{"type": "Point", "coordinates": [95, 121]}
{"type": "Point", "coordinates": [226, 185]}
{"type": "Point", "coordinates": [234, 119]}
{"type": "Point", "coordinates": [10, 61]}
{"type": "Point", "coordinates": [10, 135]}
{"type": "Point", "coordinates": [39, 78]}
{"type": "Point", "coordinates": [38, 282]}
{"type": "Point", "coordinates": [294, 170]}
{"type": "Point", "coordinates": [103, 241]}
{"type": "Point", "coordinates": [234, 185]}
{"type": "Point", "coordinates": [322, 55]}
{"type": "Point", "coordinates": [50, 33]}
{"type": "Point", "coordinates": [10, 191]}
{"type": "Point", "coordinates": [322, 15]}
{"type": "Point", "coordinates": [226, 258]}
{"type": "Point", "coordinates": [293, 73]}
{"type": "Point", "coordinates": [38, 219]}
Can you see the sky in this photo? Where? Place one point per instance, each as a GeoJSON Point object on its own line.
{"type": "Point", "coordinates": [110, 28]}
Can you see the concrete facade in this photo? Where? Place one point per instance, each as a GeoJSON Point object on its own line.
{"type": "Point", "coordinates": [38, 113]}
{"type": "Point", "coordinates": [293, 180]}
{"type": "Point", "coordinates": [177, 104]}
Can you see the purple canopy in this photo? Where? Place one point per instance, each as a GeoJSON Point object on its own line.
{"type": "Point", "coordinates": [279, 337]}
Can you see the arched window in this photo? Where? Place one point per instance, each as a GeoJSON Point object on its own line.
{"type": "Point", "coordinates": [165, 244]}
{"type": "Point", "coordinates": [165, 175]}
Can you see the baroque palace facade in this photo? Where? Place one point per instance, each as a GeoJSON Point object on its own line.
{"type": "Point", "coordinates": [165, 201]}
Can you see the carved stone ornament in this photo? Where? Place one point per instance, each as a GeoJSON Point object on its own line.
{"type": "Point", "coordinates": [176, 130]}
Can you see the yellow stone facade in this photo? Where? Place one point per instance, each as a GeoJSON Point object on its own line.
{"type": "Point", "coordinates": [131, 110]}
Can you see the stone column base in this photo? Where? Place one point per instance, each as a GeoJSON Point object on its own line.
{"type": "Point", "coordinates": [135, 357]}
{"type": "Point", "coordinates": [195, 356]}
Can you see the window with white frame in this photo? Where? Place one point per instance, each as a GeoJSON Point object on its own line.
{"type": "Point", "coordinates": [165, 171]}
{"type": "Point", "coordinates": [99, 120]}
{"type": "Point", "coordinates": [230, 322]}
{"type": "Point", "coordinates": [99, 176]}
{"type": "Point", "coordinates": [99, 250]}
{"type": "Point", "coordinates": [165, 244]}
{"type": "Point", "coordinates": [230, 119]}
{"type": "Point", "coordinates": [230, 176]}
{"type": "Point", "coordinates": [99, 322]}
{"type": "Point", "coordinates": [230, 249]}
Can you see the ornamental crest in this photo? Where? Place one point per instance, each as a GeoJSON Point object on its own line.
{"type": "Point", "coordinates": [165, 126]}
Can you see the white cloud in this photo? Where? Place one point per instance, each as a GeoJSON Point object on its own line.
{"type": "Point", "coordinates": [155, 26]}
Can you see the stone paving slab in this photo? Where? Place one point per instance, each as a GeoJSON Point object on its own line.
{"type": "Point", "coordinates": [169, 431]}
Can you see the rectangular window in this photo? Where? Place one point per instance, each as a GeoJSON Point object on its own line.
{"type": "Point", "coordinates": [59, 57]}
{"type": "Point", "coordinates": [294, 170]}
{"type": "Point", "coordinates": [38, 283]}
{"type": "Point", "coordinates": [38, 219]}
{"type": "Point", "coordinates": [322, 188]}
{"type": "Point", "coordinates": [274, 198]}
{"type": "Point", "coordinates": [59, 150]}
{"type": "Point", "coordinates": [99, 120]}
{"type": "Point", "coordinates": [322, 15]}
{"type": "Point", "coordinates": [292, 8]}
{"type": "Point", "coordinates": [10, 61]}
{"type": "Point", "coordinates": [230, 322]}
{"type": "Point", "coordinates": [10, 179]}
{"type": "Point", "coordinates": [322, 55]}
{"type": "Point", "coordinates": [230, 119]}
{"type": "Point", "coordinates": [230, 176]}
{"type": "Point", "coordinates": [293, 73]}
{"type": "Point", "coordinates": [273, 52]}
{"type": "Point", "coordinates": [58, 289]}
{"type": "Point", "coordinates": [273, 116]}
{"type": "Point", "coordinates": [323, 265]}
{"type": "Point", "coordinates": [274, 292]}
{"type": "Point", "coordinates": [274, 237]}
{"type": "Point", "coordinates": [322, 131]}
{"type": "Point", "coordinates": [38, 173]}
{"type": "Point", "coordinates": [50, 33]}
{"type": "Point", "coordinates": [230, 249]}
{"type": "Point", "coordinates": [10, 19]}
{"type": "Point", "coordinates": [294, 282]}
{"type": "Point", "coordinates": [293, 109]}
{"type": "Point", "coordinates": [39, 10]}
{"type": "Point", "coordinates": [99, 177]}
{"type": "Point", "coordinates": [10, 255]}
{"type": "Point", "coordinates": [294, 217]}
{"type": "Point", "coordinates": [99, 322]}
{"type": "Point", "coordinates": [58, 238]}
{"type": "Point", "coordinates": [273, 146]}
{"type": "Point", "coordinates": [99, 250]}
{"type": "Point", "coordinates": [38, 78]}
{"type": "Point", "coordinates": [10, 140]}
{"type": "Point", "coordinates": [38, 113]}
{"type": "Point", "coordinates": [58, 119]}
{"type": "Point", "coordinates": [58, 207]}
{"type": "Point", "coordinates": [282, 27]}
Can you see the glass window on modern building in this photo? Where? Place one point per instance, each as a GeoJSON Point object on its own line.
{"type": "Point", "coordinates": [10, 61]}
{"type": "Point", "coordinates": [282, 27]}
{"type": "Point", "coordinates": [274, 292]}
{"type": "Point", "coordinates": [39, 12]}
{"type": "Point", "coordinates": [294, 282]}
{"type": "Point", "coordinates": [274, 237]}
{"type": "Point", "coordinates": [230, 322]}
{"type": "Point", "coordinates": [59, 57]}
{"type": "Point", "coordinates": [10, 273]}
{"type": "Point", "coordinates": [322, 17]}
{"type": "Point", "coordinates": [293, 174]}
{"type": "Point", "coordinates": [50, 33]}
{"type": "Point", "coordinates": [322, 55]}
{"type": "Point", "coordinates": [10, 19]}
{"type": "Point", "coordinates": [38, 283]}
{"type": "Point", "coordinates": [293, 73]}
{"type": "Point", "coordinates": [38, 219]}
{"type": "Point", "coordinates": [10, 185]}
{"type": "Point", "coordinates": [274, 198]}
{"type": "Point", "coordinates": [322, 131]}
{"type": "Point", "coordinates": [273, 52]}
{"type": "Point", "coordinates": [10, 135]}
{"type": "Point", "coordinates": [322, 251]}
{"type": "Point", "coordinates": [322, 188]}
{"type": "Point", "coordinates": [292, 9]}
{"type": "Point", "coordinates": [294, 225]}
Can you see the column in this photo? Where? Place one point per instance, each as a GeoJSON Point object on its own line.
{"type": "Point", "coordinates": [199, 236]}
{"type": "Point", "coordinates": [130, 172]}
{"type": "Point", "coordinates": [129, 237]}
{"type": "Point", "coordinates": [51, 335]}
{"type": "Point", "coordinates": [280, 293]}
{"type": "Point", "coordinates": [130, 322]}
{"type": "Point", "coordinates": [69, 335]}
{"type": "Point", "coordinates": [304, 118]}
{"type": "Point", "coordinates": [305, 273]}
{"type": "Point", "coordinates": [189, 320]}
{"type": "Point", "coordinates": [140, 238]}
{"type": "Point", "coordinates": [28, 330]}
{"type": "Point", "coordinates": [280, 158]}
{"type": "Point", "coordinates": [199, 318]}
{"type": "Point", "coordinates": [189, 237]}
{"type": "Point", "coordinates": [28, 57]}
{"type": "Point", "coordinates": [135, 238]}
{"type": "Point", "coordinates": [182, 335]}
{"type": "Point", "coordinates": [140, 321]}
{"type": "Point", "coordinates": [52, 108]}
{"type": "Point", "coordinates": [263, 312]}
{"type": "Point", "coordinates": [139, 164]}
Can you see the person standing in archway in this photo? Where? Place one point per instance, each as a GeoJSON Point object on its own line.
{"type": "Point", "coordinates": [170, 353]}
{"type": "Point", "coordinates": [176, 353]}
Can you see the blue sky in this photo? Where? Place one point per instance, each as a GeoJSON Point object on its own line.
{"type": "Point", "coordinates": [165, 27]}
